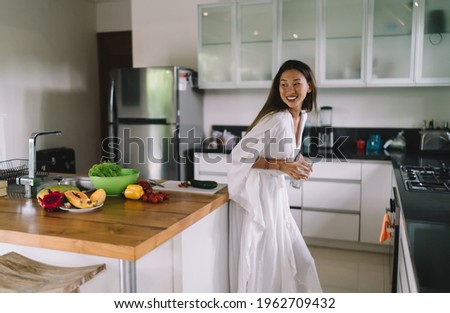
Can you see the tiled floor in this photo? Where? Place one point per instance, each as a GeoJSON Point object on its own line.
{"type": "Point", "coordinates": [352, 271]}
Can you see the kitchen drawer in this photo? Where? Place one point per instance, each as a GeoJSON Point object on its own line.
{"type": "Point", "coordinates": [212, 162]}
{"type": "Point", "coordinates": [329, 225]}
{"type": "Point", "coordinates": [211, 166]}
{"type": "Point", "coordinates": [334, 170]}
{"type": "Point", "coordinates": [339, 196]}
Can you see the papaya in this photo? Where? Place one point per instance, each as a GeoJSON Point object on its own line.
{"type": "Point", "coordinates": [98, 197]}
{"type": "Point", "coordinates": [59, 188]}
{"type": "Point", "coordinates": [78, 199]}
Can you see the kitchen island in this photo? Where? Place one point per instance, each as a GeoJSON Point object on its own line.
{"type": "Point", "coordinates": [127, 235]}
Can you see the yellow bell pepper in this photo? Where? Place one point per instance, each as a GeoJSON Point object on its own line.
{"type": "Point", "coordinates": [134, 192]}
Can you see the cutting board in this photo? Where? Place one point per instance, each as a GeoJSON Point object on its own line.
{"type": "Point", "coordinates": [172, 185]}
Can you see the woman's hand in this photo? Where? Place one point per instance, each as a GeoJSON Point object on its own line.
{"type": "Point", "coordinates": [299, 169]}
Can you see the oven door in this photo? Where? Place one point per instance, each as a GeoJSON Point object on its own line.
{"type": "Point", "coordinates": [395, 208]}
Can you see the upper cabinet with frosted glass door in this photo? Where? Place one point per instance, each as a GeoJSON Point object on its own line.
{"type": "Point", "coordinates": [236, 44]}
{"type": "Point", "coordinates": [348, 43]}
{"type": "Point", "coordinates": [298, 31]}
{"type": "Point", "coordinates": [342, 42]}
{"type": "Point", "coordinates": [433, 44]}
{"type": "Point", "coordinates": [391, 42]}
{"type": "Point", "coordinates": [256, 49]}
{"type": "Point", "coordinates": [216, 45]}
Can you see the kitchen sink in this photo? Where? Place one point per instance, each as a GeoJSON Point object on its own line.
{"type": "Point", "coordinates": [82, 182]}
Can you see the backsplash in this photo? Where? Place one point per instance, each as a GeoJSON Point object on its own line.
{"type": "Point", "coordinates": [352, 107]}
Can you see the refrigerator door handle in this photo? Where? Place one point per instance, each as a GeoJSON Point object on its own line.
{"type": "Point", "coordinates": [142, 121]}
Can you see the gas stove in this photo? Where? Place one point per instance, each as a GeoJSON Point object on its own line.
{"type": "Point", "coordinates": [426, 178]}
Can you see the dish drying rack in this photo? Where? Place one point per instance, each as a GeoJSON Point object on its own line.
{"type": "Point", "coordinates": [11, 169]}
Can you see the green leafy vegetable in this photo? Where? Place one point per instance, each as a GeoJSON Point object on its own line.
{"type": "Point", "coordinates": [105, 169]}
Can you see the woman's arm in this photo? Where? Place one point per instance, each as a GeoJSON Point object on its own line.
{"type": "Point", "coordinates": [267, 164]}
{"type": "Point", "coordinates": [298, 170]}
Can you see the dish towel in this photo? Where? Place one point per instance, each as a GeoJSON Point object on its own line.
{"type": "Point", "coordinates": [385, 233]}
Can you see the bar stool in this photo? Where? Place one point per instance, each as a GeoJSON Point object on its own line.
{"type": "Point", "coordinates": [21, 274]}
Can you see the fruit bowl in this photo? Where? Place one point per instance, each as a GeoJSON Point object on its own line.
{"type": "Point", "coordinates": [115, 186]}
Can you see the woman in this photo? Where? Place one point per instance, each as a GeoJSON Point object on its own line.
{"type": "Point", "coordinates": [267, 251]}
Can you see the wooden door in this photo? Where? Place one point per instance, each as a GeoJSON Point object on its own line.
{"type": "Point", "coordinates": [114, 50]}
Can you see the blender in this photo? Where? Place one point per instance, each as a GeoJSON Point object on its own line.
{"type": "Point", "coordinates": [325, 127]}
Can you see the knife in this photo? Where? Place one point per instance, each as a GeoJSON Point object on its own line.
{"type": "Point", "coordinates": [155, 183]}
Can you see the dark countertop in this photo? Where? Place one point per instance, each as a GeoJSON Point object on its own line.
{"type": "Point", "coordinates": [427, 217]}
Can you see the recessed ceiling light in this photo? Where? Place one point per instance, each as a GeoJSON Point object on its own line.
{"type": "Point", "coordinates": [205, 13]}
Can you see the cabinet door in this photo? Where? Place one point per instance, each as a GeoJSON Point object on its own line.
{"type": "Point", "coordinates": [330, 225]}
{"type": "Point", "coordinates": [216, 45]}
{"type": "Point", "coordinates": [201, 255]}
{"type": "Point", "coordinates": [340, 196]}
{"type": "Point", "coordinates": [298, 31]}
{"type": "Point", "coordinates": [390, 29]}
{"type": "Point", "coordinates": [376, 187]}
{"type": "Point", "coordinates": [434, 42]}
{"type": "Point", "coordinates": [343, 41]}
{"type": "Point", "coordinates": [257, 27]}
{"type": "Point", "coordinates": [340, 182]}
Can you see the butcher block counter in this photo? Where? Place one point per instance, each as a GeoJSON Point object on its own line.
{"type": "Point", "coordinates": [121, 229]}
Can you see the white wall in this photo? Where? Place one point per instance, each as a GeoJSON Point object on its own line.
{"type": "Point", "coordinates": [48, 77]}
{"type": "Point", "coordinates": [165, 32]}
{"type": "Point", "coordinates": [113, 15]}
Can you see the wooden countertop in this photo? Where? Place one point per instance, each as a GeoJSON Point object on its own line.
{"type": "Point", "coordinates": [122, 229]}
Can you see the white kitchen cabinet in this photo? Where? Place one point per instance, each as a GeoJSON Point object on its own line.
{"type": "Point", "coordinates": [376, 190]}
{"type": "Point", "coordinates": [348, 43]}
{"type": "Point", "coordinates": [331, 201]}
{"type": "Point", "coordinates": [216, 45]}
{"type": "Point", "coordinates": [256, 32]}
{"type": "Point", "coordinates": [333, 196]}
{"type": "Point", "coordinates": [391, 26]}
{"type": "Point", "coordinates": [433, 42]}
{"type": "Point", "coordinates": [236, 44]}
{"type": "Point", "coordinates": [201, 255]}
{"type": "Point", "coordinates": [328, 225]}
{"type": "Point", "coordinates": [342, 42]}
{"type": "Point", "coordinates": [211, 166]}
{"type": "Point", "coordinates": [298, 31]}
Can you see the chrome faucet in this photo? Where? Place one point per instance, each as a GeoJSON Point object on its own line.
{"type": "Point", "coordinates": [31, 180]}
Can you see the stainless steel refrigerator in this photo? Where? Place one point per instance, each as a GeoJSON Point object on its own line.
{"type": "Point", "coordinates": [155, 120]}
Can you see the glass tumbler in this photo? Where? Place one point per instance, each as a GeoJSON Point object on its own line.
{"type": "Point", "coordinates": [297, 183]}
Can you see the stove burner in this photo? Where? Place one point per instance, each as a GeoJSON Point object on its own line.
{"type": "Point", "coordinates": [426, 178]}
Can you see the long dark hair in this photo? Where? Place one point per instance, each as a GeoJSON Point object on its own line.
{"type": "Point", "coordinates": [274, 103]}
